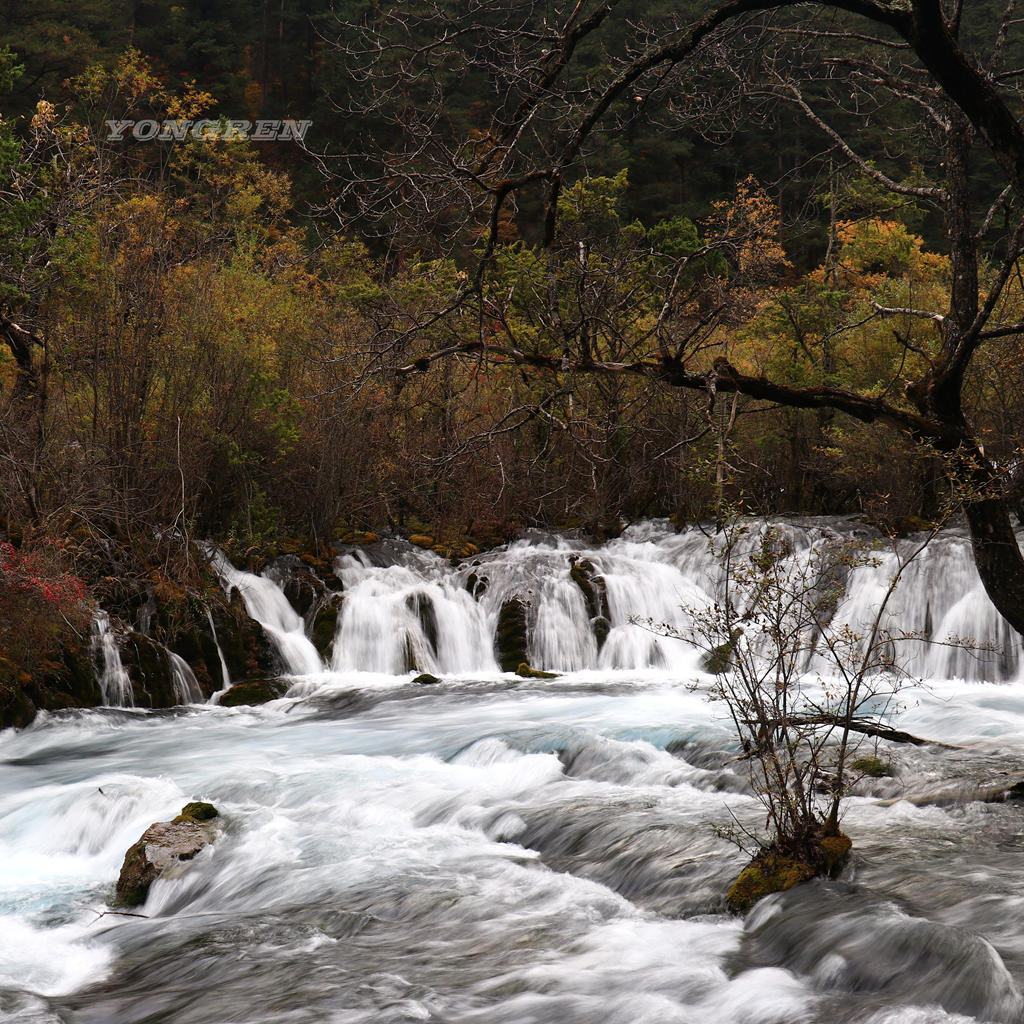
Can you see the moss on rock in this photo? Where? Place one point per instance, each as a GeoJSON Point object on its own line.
{"type": "Point", "coordinates": [835, 851]}
{"type": "Point", "coordinates": [874, 767]}
{"type": "Point", "coordinates": [198, 810]}
{"type": "Point", "coordinates": [426, 679]}
{"type": "Point", "coordinates": [253, 691]}
{"type": "Point", "coordinates": [511, 637]}
{"type": "Point", "coordinates": [765, 874]}
{"type": "Point", "coordinates": [161, 851]}
{"type": "Point", "coordinates": [526, 672]}
{"type": "Point", "coordinates": [774, 871]}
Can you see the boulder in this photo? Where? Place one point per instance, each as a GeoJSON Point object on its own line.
{"type": "Point", "coordinates": [161, 851]}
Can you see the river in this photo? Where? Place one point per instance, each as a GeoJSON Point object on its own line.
{"type": "Point", "coordinates": [511, 851]}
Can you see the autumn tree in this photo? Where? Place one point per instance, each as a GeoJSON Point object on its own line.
{"type": "Point", "coordinates": [856, 72]}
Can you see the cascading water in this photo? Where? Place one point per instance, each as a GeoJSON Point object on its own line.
{"type": "Point", "coordinates": [267, 604]}
{"type": "Point", "coordinates": [518, 851]}
{"type": "Point", "coordinates": [115, 685]}
{"type": "Point", "coordinates": [415, 613]}
{"type": "Point", "coordinates": [186, 686]}
{"type": "Point", "coordinates": [225, 675]}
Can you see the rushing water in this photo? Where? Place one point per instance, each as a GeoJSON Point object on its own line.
{"type": "Point", "coordinates": [508, 851]}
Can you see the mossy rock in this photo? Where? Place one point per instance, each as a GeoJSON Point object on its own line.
{"type": "Point", "coordinates": [17, 709]}
{"type": "Point", "coordinates": [421, 540]}
{"type": "Point", "coordinates": [524, 670]}
{"type": "Point", "coordinates": [67, 680]}
{"type": "Point", "coordinates": [426, 679]}
{"type": "Point", "coordinates": [874, 767]}
{"type": "Point", "coordinates": [254, 691]}
{"type": "Point", "coordinates": [198, 810]}
{"type": "Point", "coordinates": [765, 874]}
{"type": "Point", "coordinates": [772, 871]}
{"type": "Point", "coordinates": [511, 636]}
{"type": "Point", "coordinates": [719, 659]}
{"type": "Point", "coordinates": [359, 538]}
{"type": "Point", "coordinates": [835, 851]}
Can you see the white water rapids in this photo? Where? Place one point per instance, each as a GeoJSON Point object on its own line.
{"type": "Point", "coordinates": [491, 849]}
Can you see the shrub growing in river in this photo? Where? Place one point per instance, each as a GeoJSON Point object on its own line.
{"type": "Point", "coordinates": [802, 686]}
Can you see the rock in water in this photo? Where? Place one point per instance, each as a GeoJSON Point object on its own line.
{"type": "Point", "coordinates": [512, 639]}
{"type": "Point", "coordinates": [255, 691]}
{"type": "Point", "coordinates": [773, 870]}
{"type": "Point", "coordinates": [164, 846]}
{"type": "Point", "coordinates": [526, 672]}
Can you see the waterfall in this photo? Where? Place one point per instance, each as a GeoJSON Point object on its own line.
{"type": "Point", "coordinates": [409, 610]}
{"type": "Point", "coordinates": [417, 612]}
{"type": "Point", "coordinates": [940, 599]}
{"type": "Point", "coordinates": [115, 685]}
{"type": "Point", "coordinates": [409, 617]}
{"type": "Point", "coordinates": [266, 603]}
{"type": "Point", "coordinates": [225, 675]}
{"type": "Point", "coordinates": [186, 686]}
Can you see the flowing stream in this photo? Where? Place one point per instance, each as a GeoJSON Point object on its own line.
{"type": "Point", "coordinates": [497, 850]}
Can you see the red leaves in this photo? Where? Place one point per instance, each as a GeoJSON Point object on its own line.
{"type": "Point", "coordinates": [32, 574]}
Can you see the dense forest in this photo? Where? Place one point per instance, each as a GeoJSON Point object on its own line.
{"type": "Point", "coordinates": [519, 273]}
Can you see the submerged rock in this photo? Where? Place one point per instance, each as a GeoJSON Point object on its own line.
{"type": "Point", "coordinates": [164, 846]}
{"type": "Point", "coordinates": [847, 939]}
